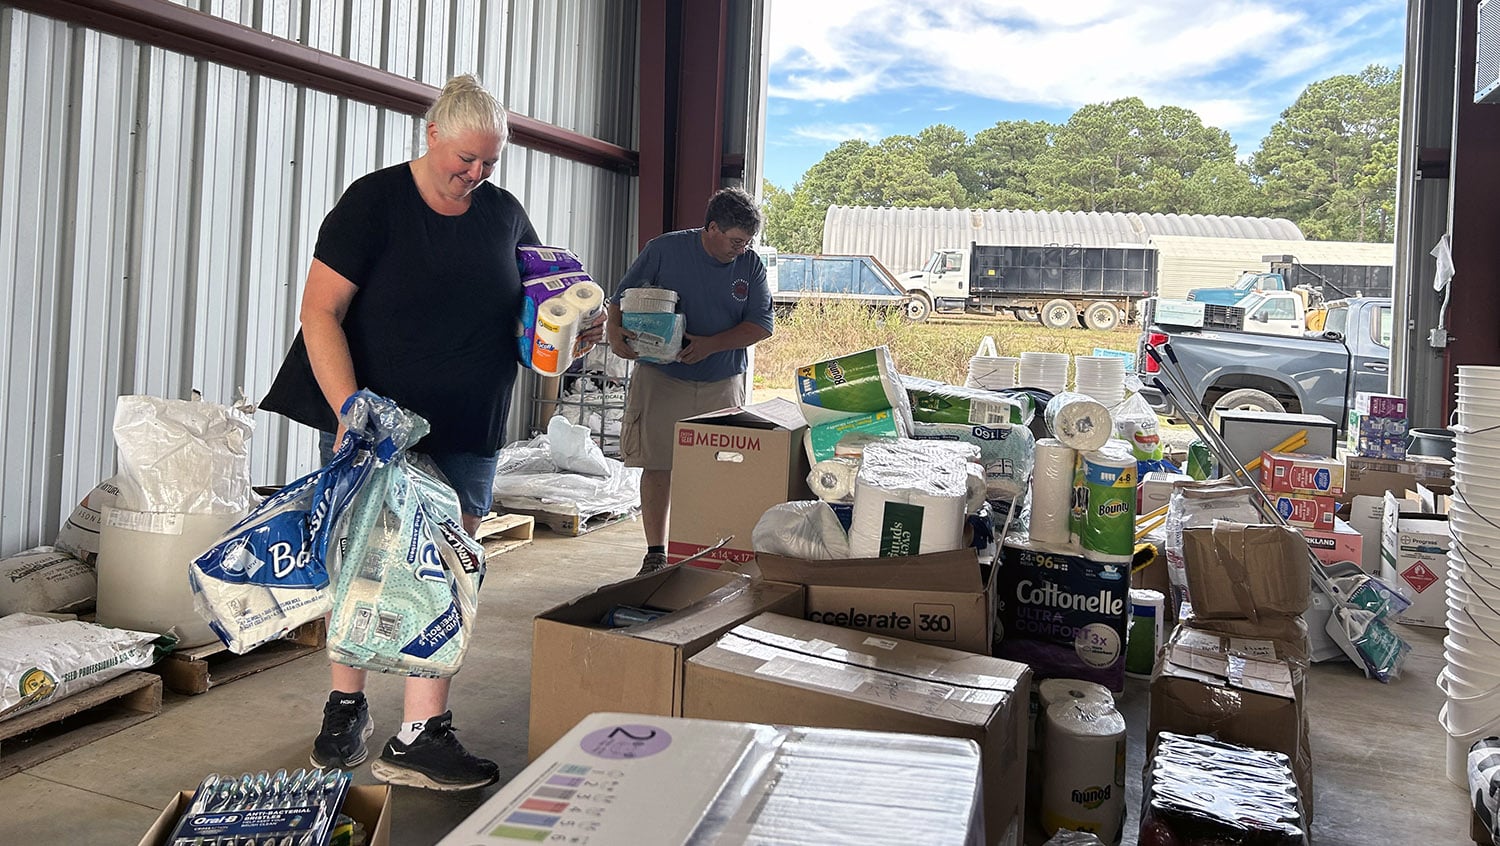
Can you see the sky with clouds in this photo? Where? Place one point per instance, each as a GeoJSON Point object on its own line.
{"type": "Point", "coordinates": [867, 69]}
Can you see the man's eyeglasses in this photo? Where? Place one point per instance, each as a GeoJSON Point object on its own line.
{"type": "Point", "coordinates": [737, 243]}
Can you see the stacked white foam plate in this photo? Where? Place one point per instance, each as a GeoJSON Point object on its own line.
{"type": "Point", "coordinates": [992, 372]}
{"type": "Point", "coordinates": [1101, 377]}
{"type": "Point", "coordinates": [1048, 371]}
{"type": "Point", "coordinates": [1471, 678]}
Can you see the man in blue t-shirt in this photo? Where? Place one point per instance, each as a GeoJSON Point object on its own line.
{"type": "Point", "coordinates": [722, 294]}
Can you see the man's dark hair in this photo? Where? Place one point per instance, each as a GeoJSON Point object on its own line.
{"type": "Point", "coordinates": [730, 208]}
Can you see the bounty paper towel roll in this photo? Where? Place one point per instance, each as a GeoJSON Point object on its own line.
{"type": "Point", "coordinates": [1051, 491]}
{"type": "Point", "coordinates": [832, 480]}
{"type": "Point", "coordinates": [556, 332]}
{"type": "Point", "coordinates": [588, 298]}
{"type": "Point", "coordinates": [851, 386]}
{"type": "Point", "coordinates": [1105, 498]}
{"type": "Point", "coordinates": [907, 501]}
{"type": "Point", "coordinates": [1083, 769]}
{"type": "Point", "coordinates": [1079, 421]}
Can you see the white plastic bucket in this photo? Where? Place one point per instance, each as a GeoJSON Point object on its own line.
{"type": "Point", "coordinates": [143, 570]}
{"type": "Point", "coordinates": [1459, 743]}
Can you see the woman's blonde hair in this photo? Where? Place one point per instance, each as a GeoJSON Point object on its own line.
{"type": "Point", "coordinates": [464, 105]}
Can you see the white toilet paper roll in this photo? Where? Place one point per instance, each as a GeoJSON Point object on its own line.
{"type": "Point", "coordinates": [556, 332]}
{"type": "Point", "coordinates": [1052, 491]}
{"type": "Point", "coordinates": [1079, 421]}
{"type": "Point", "coordinates": [832, 480]}
{"type": "Point", "coordinates": [1083, 776]}
{"type": "Point", "coordinates": [588, 298]}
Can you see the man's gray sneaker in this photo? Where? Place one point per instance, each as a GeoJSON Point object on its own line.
{"type": "Point", "coordinates": [653, 562]}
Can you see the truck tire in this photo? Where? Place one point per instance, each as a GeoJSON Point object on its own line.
{"type": "Point", "coordinates": [1248, 399]}
{"type": "Point", "coordinates": [917, 308]}
{"type": "Point", "coordinates": [1058, 314]}
{"type": "Point", "coordinates": [1101, 316]}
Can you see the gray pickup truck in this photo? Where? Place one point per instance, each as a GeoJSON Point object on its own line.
{"type": "Point", "coordinates": [1318, 373]}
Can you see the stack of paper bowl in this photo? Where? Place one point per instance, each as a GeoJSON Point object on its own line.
{"type": "Point", "coordinates": [1048, 371]}
{"type": "Point", "coordinates": [1101, 377]}
{"type": "Point", "coordinates": [992, 372]}
{"type": "Point", "coordinates": [1471, 678]}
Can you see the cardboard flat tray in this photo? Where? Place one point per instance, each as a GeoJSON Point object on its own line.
{"type": "Point", "coordinates": [196, 670]}
{"type": "Point", "coordinates": [36, 736]}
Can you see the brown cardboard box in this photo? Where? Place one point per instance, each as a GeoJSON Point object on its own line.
{"type": "Point", "coordinates": [578, 667]}
{"type": "Point", "coordinates": [942, 598]}
{"type": "Point", "coordinates": [1374, 476]}
{"type": "Point", "coordinates": [370, 805]}
{"type": "Point", "coordinates": [1235, 571]}
{"type": "Point", "coordinates": [728, 467]}
{"type": "Point", "coordinates": [1239, 690]}
{"type": "Point", "coordinates": [788, 671]}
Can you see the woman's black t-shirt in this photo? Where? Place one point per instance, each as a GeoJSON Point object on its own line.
{"type": "Point", "coordinates": [433, 325]}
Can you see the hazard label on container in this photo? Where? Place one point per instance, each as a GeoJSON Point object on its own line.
{"type": "Point", "coordinates": [1419, 576]}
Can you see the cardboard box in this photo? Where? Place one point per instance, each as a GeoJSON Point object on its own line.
{"type": "Point", "coordinates": [1376, 437]}
{"type": "Point", "coordinates": [795, 672]}
{"type": "Point", "coordinates": [1156, 490]}
{"type": "Point", "coordinates": [1364, 476]}
{"type": "Point", "coordinates": [627, 780]}
{"type": "Point", "coordinates": [1380, 405]}
{"type": "Point", "coordinates": [1293, 472]}
{"type": "Point", "coordinates": [941, 598]}
{"type": "Point", "coordinates": [728, 467]}
{"type": "Point", "coordinates": [578, 667]}
{"type": "Point", "coordinates": [1341, 543]}
{"type": "Point", "coordinates": [1305, 511]}
{"type": "Point", "coordinates": [1235, 571]}
{"type": "Point", "coordinates": [1063, 614]}
{"type": "Point", "coordinates": [369, 804]}
{"type": "Point", "coordinates": [1366, 514]}
{"type": "Point", "coordinates": [1239, 690]}
{"type": "Point", "coordinates": [1414, 560]}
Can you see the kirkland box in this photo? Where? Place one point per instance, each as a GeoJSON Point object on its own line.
{"type": "Point", "coordinates": [1414, 560]}
{"type": "Point", "coordinates": [1341, 543]}
{"type": "Point", "coordinates": [941, 598]}
{"type": "Point", "coordinates": [728, 467]}
{"type": "Point", "coordinates": [369, 805]}
{"type": "Point", "coordinates": [1062, 613]}
{"type": "Point", "coordinates": [631, 780]}
{"type": "Point", "coordinates": [578, 666]}
{"type": "Point", "coordinates": [794, 672]}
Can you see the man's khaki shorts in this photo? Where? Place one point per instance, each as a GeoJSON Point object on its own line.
{"type": "Point", "coordinates": [654, 403]}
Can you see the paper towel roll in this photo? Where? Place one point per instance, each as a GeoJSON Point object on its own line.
{"type": "Point", "coordinates": [1049, 692]}
{"type": "Point", "coordinates": [907, 500]}
{"type": "Point", "coordinates": [1051, 491]}
{"type": "Point", "coordinates": [556, 332]}
{"type": "Point", "coordinates": [1006, 451]}
{"type": "Point", "coordinates": [1144, 635]}
{"type": "Point", "coordinates": [832, 480]}
{"type": "Point", "coordinates": [1105, 496]}
{"type": "Point", "coordinates": [1083, 769]}
{"type": "Point", "coordinates": [588, 298]}
{"type": "Point", "coordinates": [851, 386]}
{"type": "Point", "coordinates": [1079, 421]}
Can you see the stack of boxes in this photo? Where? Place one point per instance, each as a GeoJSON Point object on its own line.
{"type": "Point", "coordinates": [1377, 426]}
{"type": "Point", "coordinates": [1303, 487]}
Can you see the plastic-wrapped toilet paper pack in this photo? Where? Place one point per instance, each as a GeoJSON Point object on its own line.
{"type": "Point", "coordinates": [853, 385]}
{"type": "Point", "coordinates": [810, 531]}
{"type": "Point", "coordinates": [936, 402]}
{"type": "Point", "coordinates": [909, 499]}
{"type": "Point", "coordinates": [832, 479]}
{"type": "Point", "coordinates": [536, 291]}
{"type": "Point", "coordinates": [825, 440]}
{"type": "Point", "coordinates": [1007, 453]}
{"type": "Point", "coordinates": [536, 260]}
{"type": "Point", "coordinates": [1079, 421]}
{"type": "Point", "coordinates": [1049, 507]}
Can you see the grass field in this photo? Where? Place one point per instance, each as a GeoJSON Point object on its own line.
{"type": "Point", "coordinates": [938, 349]}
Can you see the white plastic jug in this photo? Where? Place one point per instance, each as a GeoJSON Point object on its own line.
{"type": "Point", "coordinates": [143, 570]}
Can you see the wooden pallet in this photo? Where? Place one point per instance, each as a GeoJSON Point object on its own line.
{"type": "Point", "coordinates": [35, 736]}
{"type": "Point", "coordinates": [500, 533]}
{"type": "Point", "coordinates": [571, 525]}
{"type": "Point", "coordinates": [196, 670]}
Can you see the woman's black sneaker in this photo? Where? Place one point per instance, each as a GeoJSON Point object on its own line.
{"type": "Point", "coordinates": [435, 760]}
{"type": "Point", "coordinates": [346, 725]}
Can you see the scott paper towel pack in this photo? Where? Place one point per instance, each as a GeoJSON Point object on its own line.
{"type": "Point", "coordinates": [909, 499]}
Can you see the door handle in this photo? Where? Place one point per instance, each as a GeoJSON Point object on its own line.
{"type": "Point", "coordinates": [1377, 367]}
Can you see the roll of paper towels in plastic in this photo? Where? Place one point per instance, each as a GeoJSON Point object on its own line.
{"type": "Point", "coordinates": [1104, 502]}
{"type": "Point", "coordinates": [1052, 491]}
{"type": "Point", "coordinates": [832, 480]}
{"type": "Point", "coordinates": [806, 530]}
{"type": "Point", "coordinates": [1079, 421]}
{"type": "Point", "coordinates": [852, 386]}
{"type": "Point", "coordinates": [907, 501]}
{"type": "Point", "coordinates": [1083, 769]}
{"type": "Point", "coordinates": [1049, 692]}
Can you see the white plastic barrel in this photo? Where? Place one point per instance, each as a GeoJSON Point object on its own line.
{"type": "Point", "coordinates": [143, 570]}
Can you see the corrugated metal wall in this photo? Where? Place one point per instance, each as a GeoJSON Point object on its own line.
{"type": "Point", "coordinates": [158, 213]}
{"type": "Point", "coordinates": [904, 238]}
{"type": "Point", "coordinates": [1186, 262]}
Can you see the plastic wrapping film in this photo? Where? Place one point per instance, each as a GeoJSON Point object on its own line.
{"type": "Point", "coordinates": [1079, 421]}
{"type": "Point", "coordinates": [910, 498]}
{"type": "Point", "coordinates": [528, 477]}
{"type": "Point", "coordinates": [809, 531]}
{"type": "Point", "coordinates": [937, 402]}
{"type": "Point", "coordinates": [184, 456]}
{"type": "Point", "coordinates": [1006, 452]}
{"type": "Point", "coordinates": [1050, 504]}
{"type": "Point", "coordinates": [1203, 791]}
{"type": "Point", "coordinates": [1136, 424]}
{"type": "Point", "coordinates": [1083, 785]}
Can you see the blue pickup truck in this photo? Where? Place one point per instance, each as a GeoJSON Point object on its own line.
{"type": "Point", "coordinates": [1317, 373]}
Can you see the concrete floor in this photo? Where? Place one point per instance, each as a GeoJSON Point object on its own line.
{"type": "Point", "coordinates": [1378, 749]}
